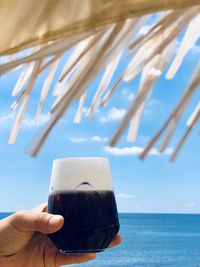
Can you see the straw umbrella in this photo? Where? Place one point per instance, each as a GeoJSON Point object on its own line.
{"type": "Point", "coordinates": [98, 31]}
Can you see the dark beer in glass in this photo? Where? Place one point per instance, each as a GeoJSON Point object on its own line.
{"type": "Point", "coordinates": [81, 191]}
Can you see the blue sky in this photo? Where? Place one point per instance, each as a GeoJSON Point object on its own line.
{"type": "Point", "coordinates": [154, 185]}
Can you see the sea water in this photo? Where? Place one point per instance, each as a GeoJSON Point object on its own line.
{"type": "Point", "coordinates": [153, 240]}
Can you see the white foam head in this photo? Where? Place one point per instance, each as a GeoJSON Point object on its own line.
{"type": "Point", "coordinates": [91, 173]}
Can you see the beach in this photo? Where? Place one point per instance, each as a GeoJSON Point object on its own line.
{"type": "Point", "coordinates": [153, 240]}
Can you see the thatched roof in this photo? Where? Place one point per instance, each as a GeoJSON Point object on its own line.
{"type": "Point", "coordinates": [98, 30]}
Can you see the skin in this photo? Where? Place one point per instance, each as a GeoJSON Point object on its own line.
{"type": "Point", "coordinates": [24, 243]}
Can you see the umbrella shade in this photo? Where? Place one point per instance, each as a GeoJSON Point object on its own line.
{"type": "Point", "coordinates": [99, 30]}
{"type": "Point", "coordinates": [35, 22]}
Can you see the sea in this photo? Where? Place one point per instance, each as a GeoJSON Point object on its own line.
{"type": "Point", "coordinates": [153, 240]}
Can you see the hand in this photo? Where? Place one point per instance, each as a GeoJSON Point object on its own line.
{"type": "Point", "coordinates": [23, 241]}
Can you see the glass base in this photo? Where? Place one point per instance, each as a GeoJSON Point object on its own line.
{"type": "Point", "coordinates": [81, 251]}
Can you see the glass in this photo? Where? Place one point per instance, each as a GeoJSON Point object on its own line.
{"type": "Point", "coordinates": [81, 191]}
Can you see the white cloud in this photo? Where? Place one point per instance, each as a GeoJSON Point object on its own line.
{"type": "Point", "coordinates": [127, 95]}
{"type": "Point", "coordinates": [126, 196]}
{"type": "Point", "coordinates": [93, 139]}
{"type": "Point", "coordinates": [85, 110]}
{"type": "Point", "coordinates": [98, 139]}
{"type": "Point", "coordinates": [31, 122]}
{"type": "Point", "coordinates": [151, 106]}
{"type": "Point", "coordinates": [114, 114]}
{"type": "Point", "coordinates": [123, 151]}
{"type": "Point", "coordinates": [79, 140]}
{"type": "Point", "coordinates": [102, 119]}
{"type": "Point", "coordinates": [154, 102]}
{"type": "Point", "coordinates": [134, 150]}
{"type": "Point", "coordinates": [6, 118]}
{"type": "Point", "coordinates": [125, 92]}
{"type": "Point", "coordinates": [26, 122]}
{"type": "Point", "coordinates": [131, 96]}
{"type": "Point", "coordinates": [196, 49]}
{"type": "Point", "coordinates": [189, 204]}
{"type": "Point", "coordinates": [168, 151]}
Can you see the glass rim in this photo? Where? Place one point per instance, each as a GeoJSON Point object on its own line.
{"type": "Point", "coordinates": [79, 158]}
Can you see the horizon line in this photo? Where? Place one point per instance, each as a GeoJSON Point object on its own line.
{"type": "Point", "coordinates": [137, 213]}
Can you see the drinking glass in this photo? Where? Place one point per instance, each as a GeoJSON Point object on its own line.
{"type": "Point", "coordinates": [81, 191]}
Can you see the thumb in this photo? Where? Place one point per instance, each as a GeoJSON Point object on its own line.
{"type": "Point", "coordinates": [43, 222]}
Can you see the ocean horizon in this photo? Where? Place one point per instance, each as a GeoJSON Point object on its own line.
{"type": "Point", "coordinates": [153, 240]}
{"type": "Point", "coordinates": [133, 213]}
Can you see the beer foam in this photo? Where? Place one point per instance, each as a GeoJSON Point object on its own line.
{"type": "Point", "coordinates": [91, 173]}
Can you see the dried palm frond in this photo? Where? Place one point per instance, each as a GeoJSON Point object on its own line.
{"type": "Point", "coordinates": [99, 32]}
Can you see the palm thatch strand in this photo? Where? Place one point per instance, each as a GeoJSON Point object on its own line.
{"type": "Point", "coordinates": [98, 37]}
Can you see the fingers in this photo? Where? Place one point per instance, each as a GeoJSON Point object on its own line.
{"type": "Point", "coordinates": [43, 222]}
{"type": "Point", "coordinates": [62, 259]}
{"type": "Point", "coordinates": [117, 240]}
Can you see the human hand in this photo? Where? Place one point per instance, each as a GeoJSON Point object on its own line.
{"type": "Point", "coordinates": [23, 240]}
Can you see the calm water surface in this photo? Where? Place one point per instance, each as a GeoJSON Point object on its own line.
{"type": "Point", "coordinates": [153, 240]}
